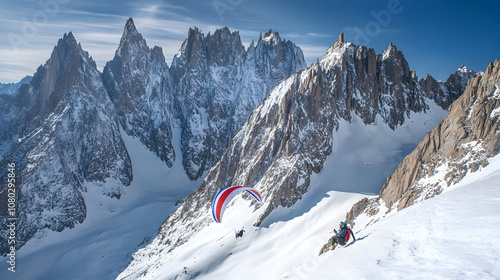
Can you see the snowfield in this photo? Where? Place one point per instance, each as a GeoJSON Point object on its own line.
{"type": "Point", "coordinates": [100, 247]}
{"type": "Point", "coordinates": [451, 236]}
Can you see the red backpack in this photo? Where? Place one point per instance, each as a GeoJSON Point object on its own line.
{"type": "Point", "coordinates": [347, 235]}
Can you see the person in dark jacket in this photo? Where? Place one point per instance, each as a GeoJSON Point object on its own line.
{"type": "Point", "coordinates": [339, 237]}
{"type": "Point", "coordinates": [239, 234]}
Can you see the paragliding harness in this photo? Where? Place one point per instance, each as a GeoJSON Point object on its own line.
{"type": "Point", "coordinates": [239, 233]}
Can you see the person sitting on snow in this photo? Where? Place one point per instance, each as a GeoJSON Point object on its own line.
{"type": "Point", "coordinates": [342, 236]}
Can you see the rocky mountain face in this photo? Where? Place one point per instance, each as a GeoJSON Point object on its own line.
{"type": "Point", "coordinates": [445, 93]}
{"type": "Point", "coordinates": [63, 128]}
{"type": "Point", "coordinates": [210, 89]}
{"type": "Point", "coordinates": [461, 143]}
{"type": "Point", "coordinates": [217, 83]}
{"type": "Point", "coordinates": [62, 131]}
{"type": "Point", "coordinates": [138, 83]}
{"type": "Point", "coordinates": [289, 135]}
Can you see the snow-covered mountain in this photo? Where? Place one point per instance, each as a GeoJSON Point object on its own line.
{"type": "Point", "coordinates": [139, 84]}
{"type": "Point", "coordinates": [217, 83]}
{"type": "Point", "coordinates": [61, 131]}
{"type": "Point", "coordinates": [210, 89]}
{"type": "Point", "coordinates": [353, 110]}
{"type": "Point", "coordinates": [13, 88]}
{"type": "Point", "coordinates": [312, 142]}
{"type": "Point", "coordinates": [451, 236]}
{"type": "Point", "coordinates": [462, 143]}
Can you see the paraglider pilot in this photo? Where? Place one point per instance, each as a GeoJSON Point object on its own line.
{"type": "Point", "coordinates": [239, 233]}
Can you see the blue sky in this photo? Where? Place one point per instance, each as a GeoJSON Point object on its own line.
{"type": "Point", "coordinates": [436, 37]}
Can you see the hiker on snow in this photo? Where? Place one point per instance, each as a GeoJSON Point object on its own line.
{"type": "Point", "coordinates": [342, 236]}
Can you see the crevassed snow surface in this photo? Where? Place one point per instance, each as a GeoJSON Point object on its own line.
{"type": "Point", "coordinates": [101, 246]}
{"type": "Point", "coordinates": [451, 236]}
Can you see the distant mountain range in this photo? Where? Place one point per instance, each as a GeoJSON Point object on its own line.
{"type": "Point", "coordinates": [290, 136]}
{"type": "Point", "coordinates": [13, 88]}
{"type": "Point", "coordinates": [254, 116]}
{"type": "Point", "coordinates": [63, 127]}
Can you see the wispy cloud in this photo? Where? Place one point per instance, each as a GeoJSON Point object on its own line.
{"type": "Point", "coordinates": [313, 52]}
{"type": "Point", "coordinates": [312, 34]}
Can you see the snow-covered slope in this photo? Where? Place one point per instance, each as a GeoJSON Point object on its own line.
{"type": "Point", "coordinates": [359, 112]}
{"type": "Point", "coordinates": [451, 236]}
{"type": "Point", "coordinates": [62, 128]}
{"type": "Point", "coordinates": [100, 247]}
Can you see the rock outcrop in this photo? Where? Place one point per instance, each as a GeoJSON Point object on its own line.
{"type": "Point", "coordinates": [138, 82]}
{"type": "Point", "coordinates": [460, 144]}
{"type": "Point", "coordinates": [217, 83]}
{"type": "Point", "coordinates": [289, 136]}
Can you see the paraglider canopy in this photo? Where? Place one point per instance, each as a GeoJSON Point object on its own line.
{"type": "Point", "coordinates": [224, 196]}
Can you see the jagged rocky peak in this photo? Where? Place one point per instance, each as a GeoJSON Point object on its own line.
{"type": "Point", "coordinates": [133, 56]}
{"type": "Point", "coordinates": [460, 78]}
{"type": "Point", "coordinates": [391, 51]}
{"type": "Point", "coordinates": [132, 44]}
{"type": "Point", "coordinates": [213, 106]}
{"type": "Point", "coordinates": [374, 84]}
{"type": "Point", "coordinates": [66, 66]}
{"type": "Point", "coordinates": [66, 54]}
{"type": "Point", "coordinates": [339, 40]}
{"type": "Point", "coordinates": [462, 143]}
{"type": "Point", "coordinates": [272, 52]}
{"type": "Point", "coordinates": [65, 136]}
{"type": "Point", "coordinates": [339, 46]}
{"type": "Point", "coordinates": [224, 47]}
{"type": "Point", "coordinates": [445, 93]}
{"type": "Point", "coordinates": [138, 82]}
{"type": "Point", "coordinates": [394, 56]}
{"type": "Point", "coordinates": [130, 29]}
{"type": "Point", "coordinates": [191, 48]}
{"type": "Point", "coordinates": [271, 36]}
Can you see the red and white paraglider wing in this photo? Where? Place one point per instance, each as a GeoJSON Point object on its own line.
{"type": "Point", "coordinates": [225, 196]}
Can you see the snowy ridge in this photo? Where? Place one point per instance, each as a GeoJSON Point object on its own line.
{"type": "Point", "coordinates": [303, 147]}
{"type": "Point", "coordinates": [462, 143]}
{"type": "Point", "coordinates": [54, 152]}
{"type": "Point", "coordinates": [218, 83]}
{"type": "Point", "coordinates": [422, 240]}
{"type": "Point", "coordinates": [293, 134]}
